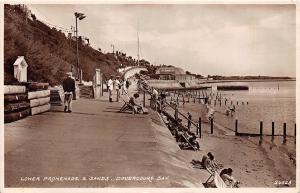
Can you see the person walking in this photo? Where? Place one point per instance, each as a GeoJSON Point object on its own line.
{"type": "Point", "coordinates": [110, 85]}
{"type": "Point", "coordinates": [117, 86]}
{"type": "Point", "coordinates": [69, 89]}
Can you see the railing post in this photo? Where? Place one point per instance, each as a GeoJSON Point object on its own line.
{"type": "Point", "coordinates": [284, 132]}
{"type": "Point", "coordinates": [144, 99]}
{"type": "Point", "coordinates": [236, 127]}
{"type": "Point", "coordinates": [189, 121]}
{"type": "Point", "coordinates": [199, 127]}
{"type": "Point", "coordinates": [176, 113]}
{"type": "Point", "coordinates": [295, 134]}
{"type": "Point", "coordinates": [211, 125]}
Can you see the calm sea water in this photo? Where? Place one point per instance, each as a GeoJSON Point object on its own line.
{"type": "Point", "coordinates": [267, 102]}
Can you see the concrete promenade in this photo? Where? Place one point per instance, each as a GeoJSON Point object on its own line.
{"type": "Point", "coordinates": [95, 146]}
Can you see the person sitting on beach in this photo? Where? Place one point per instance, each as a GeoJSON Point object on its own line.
{"type": "Point", "coordinates": [208, 162]}
{"type": "Point", "coordinates": [137, 107]}
{"type": "Point", "coordinates": [229, 180]}
{"type": "Point", "coordinates": [194, 142]}
{"type": "Point", "coordinates": [231, 110]}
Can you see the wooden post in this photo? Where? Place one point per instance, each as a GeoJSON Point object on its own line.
{"type": "Point", "coordinates": [237, 102]}
{"type": "Point", "coordinates": [189, 121]}
{"type": "Point", "coordinates": [144, 99]}
{"type": "Point", "coordinates": [284, 132]}
{"type": "Point", "coordinates": [295, 134]}
{"type": "Point", "coordinates": [236, 127]}
{"type": "Point", "coordinates": [231, 102]}
{"type": "Point", "coordinates": [260, 132]}
{"type": "Point", "coordinates": [194, 100]}
{"type": "Point", "coordinates": [215, 102]}
{"type": "Point", "coordinates": [273, 130]}
{"type": "Point", "coordinates": [225, 102]}
{"type": "Point", "coordinates": [176, 113]}
{"type": "Point", "coordinates": [220, 102]}
{"type": "Point", "coordinates": [177, 100]}
{"type": "Point", "coordinates": [199, 127]}
{"type": "Point", "coordinates": [211, 125]}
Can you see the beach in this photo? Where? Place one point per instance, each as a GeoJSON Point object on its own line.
{"type": "Point", "coordinates": [266, 164]}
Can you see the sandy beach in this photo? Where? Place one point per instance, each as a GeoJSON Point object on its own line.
{"type": "Point", "coordinates": [265, 165]}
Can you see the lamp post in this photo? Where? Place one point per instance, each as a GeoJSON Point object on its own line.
{"type": "Point", "coordinates": [80, 16]}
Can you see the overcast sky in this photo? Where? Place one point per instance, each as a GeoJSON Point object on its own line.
{"type": "Point", "coordinates": [203, 39]}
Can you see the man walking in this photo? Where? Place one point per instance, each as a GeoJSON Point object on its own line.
{"type": "Point", "coordinates": [117, 86]}
{"type": "Point", "coordinates": [110, 85]}
{"type": "Point", "coordinates": [69, 88]}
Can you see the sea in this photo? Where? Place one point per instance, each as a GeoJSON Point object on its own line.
{"type": "Point", "coordinates": [270, 101]}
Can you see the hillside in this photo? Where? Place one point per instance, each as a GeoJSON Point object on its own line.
{"type": "Point", "coordinates": [49, 53]}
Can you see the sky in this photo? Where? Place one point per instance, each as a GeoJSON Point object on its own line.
{"type": "Point", "coordinates": [206, 39]}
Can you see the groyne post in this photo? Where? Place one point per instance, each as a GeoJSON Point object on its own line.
{"type": "Point", "coordinates": [177, 100]}
{"type": "Point", "coordinates": [237, 102]}
{"type": "Point", "coordinates": [215, 102]}
{"type": "Point", "coordinates": [260, 132]}
{"type": "Point", "coordinates": [199, 127]}
{"type": "Point", "coordinates": [220, 102]}
{"type": "Point", "coordinates": [284, 132]}
{"type": "Point", "coordinates": [225, 102]}
{"type": "Point", "coordinates": [194, 100]}
{"type": "Point", "coordinates": [273, 130]}
{"type": "Point", "coordinates": [236, 127]}
{"type": "Point", "coordinates": [211, 125]}
{"type": "Point", "coordinates": [295, 133]}
{"type": "Point", "coordinates": [189, 121]}
{"type": "Point", "coordinates": [231, 102]}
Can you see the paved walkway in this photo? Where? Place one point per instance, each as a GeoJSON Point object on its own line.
{"type": "Point", "coordinates": [110, 149]}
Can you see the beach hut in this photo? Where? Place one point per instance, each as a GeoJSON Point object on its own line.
{"type": "Point", "coordinates": [20, 69]}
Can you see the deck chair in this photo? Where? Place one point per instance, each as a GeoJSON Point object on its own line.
{"type": "Point", "coordinates": [127, 107]}
{"type": "Point", "coordinates": [217, 181]}
{"type": "Point", "coordinates": [186, 138]}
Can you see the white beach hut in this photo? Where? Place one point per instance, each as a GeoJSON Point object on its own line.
{"type": "Point", "coordinates": [20, 69]}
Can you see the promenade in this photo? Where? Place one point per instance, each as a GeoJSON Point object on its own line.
{"type": "Point", "coordinates": [95, 146]}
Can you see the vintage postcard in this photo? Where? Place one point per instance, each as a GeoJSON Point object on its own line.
{"type": "Point", "coordinates": [186, 97]}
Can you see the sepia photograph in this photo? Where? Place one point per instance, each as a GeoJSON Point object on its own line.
{"type": "Point", "coordinates": [149, 95]}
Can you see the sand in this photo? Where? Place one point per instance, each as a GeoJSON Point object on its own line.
{"type": "Point", "coordinates": [255, 165]}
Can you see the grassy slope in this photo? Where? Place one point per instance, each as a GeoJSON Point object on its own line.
{"type": "Point", "coordinates": [48, 52]}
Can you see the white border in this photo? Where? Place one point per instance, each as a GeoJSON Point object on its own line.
{"type": "Point", "coordinates": [146, 190]}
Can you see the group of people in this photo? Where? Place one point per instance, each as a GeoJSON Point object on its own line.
{"type": "Point", "coordinates": [209, 163]}
{"type": "Point", "coordinates": [185, 139]}
{"type": "Point", "coordinates": [117, 84]}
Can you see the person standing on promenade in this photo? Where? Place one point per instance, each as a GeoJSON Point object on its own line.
{"type": "Point", "coordinates": [110, 85]}
{"type": "Point", "coordinates": [127, 83]}
{"type": "Point", "coordinates": [123, 87]}
{"type": "Point", "coordinates": [69, 89]}
{"type": "Point", "coordinates": [117, 86]}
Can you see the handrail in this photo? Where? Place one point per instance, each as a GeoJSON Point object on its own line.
{"type": "Point", "coordinates": [181, 114]}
